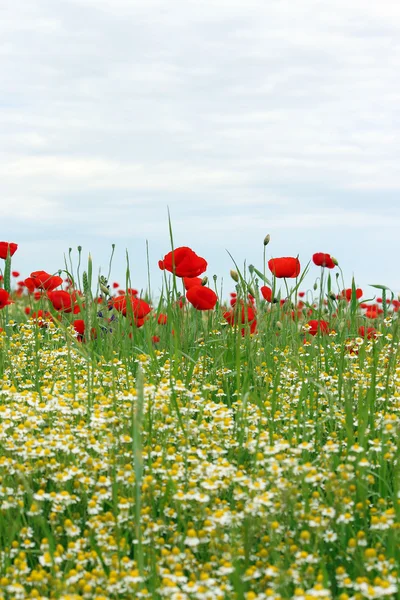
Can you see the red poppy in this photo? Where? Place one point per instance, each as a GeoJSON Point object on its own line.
{"type": "Point", "coordinates": [15, 273]}
{"type": "Point", "coordinates": [115, 285]}
{"type": "Point", "coordinates": [184, 262]}
{"type": "Point", "coordinates": [27, 310]}
{"type": "Point", "coordinates": [162, 319]}
{"type": "Point", "coordinates": [373, 311]}
{"type": "Point", "coordinates": [396, 305]}
{"type": "Point", "coordinates": [368, 332]}
{"type": "Point", "coordinates": [267, 293]}
{"type": "Point", "coordinates": [155, 339]}
{"type": "Point", "coordinates": [302, 294]}
{"type": "Point", "coordinates": [323, 260]}
{"type": "Point", "coordinates": [201, 297]}
{"type": "Point", "coordinates": [347, 294]}
{"type": "Point", "coordinates": [79, 326]}
{"type": "Point", "coordinates": [315, 326]}
{"type": "Point", "coordinates": [189, 282]}
{"type": "Point", "coordinates": [140, 308]}
{"type": "Point", "coordinates": [6, 247]}
{"type": "Point", "coordinates": [287, 266]}
{"type": "Point", "coordinates": [4, 298]}
{"type": "Point", "coordinates": [246, 314]}
{"type": "Point", "coordinates": [45, 281]}
{"type": "Point", "coordinates": [61, 301]}
{"type": "Point", "coordinates": [30, 284]}
{"type": "Point", "coordinates": [251, 328]}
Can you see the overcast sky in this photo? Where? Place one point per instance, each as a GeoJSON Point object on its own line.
{"type": "Point", "coordinates": [244, 117]}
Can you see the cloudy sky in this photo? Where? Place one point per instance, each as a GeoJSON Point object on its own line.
{"type": "Point", "coordinates": [244, 117]}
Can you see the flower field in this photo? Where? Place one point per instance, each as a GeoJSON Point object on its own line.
{"type": "Point", "coordinates": [197, 446]}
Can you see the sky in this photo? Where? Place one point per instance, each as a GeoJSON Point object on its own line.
{"type": "Point", "coordinates": [242, 117]}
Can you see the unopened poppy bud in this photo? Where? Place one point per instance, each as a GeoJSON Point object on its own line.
{"type": "Point", "coordinates": [267, 239]}
{"type": "Point", "coordinates": [332, 295]}
{"type": "Point", "coordinates": [204, 281]}
{"type": "Point", "coordinates": [315, 286]}
{"type": "Point", "coordinates": [104, 289]}
{"type": "Point", "coordinates": [334, 260]}
{"type": "Point", "coordinates": [79, 248]}
{"type": "Point", "coordinates": [234, 275]}
{"type": "Point", "coordinates": [251, 291]}
{"type": "Point", "coordinates": [279, 325]}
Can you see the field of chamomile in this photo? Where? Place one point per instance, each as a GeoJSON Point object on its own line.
{"type": "Point", "coordinates": [198, 445]}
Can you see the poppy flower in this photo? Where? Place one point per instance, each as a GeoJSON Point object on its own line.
{"type": "Point", "coordinates": [61, 301]}
{"type": "Point", "coordinates": [15, 273]}
{"type": "Point", "coordinates": [246, 314]}
{"type": "Point", "coordinates": [115, 285]}
{"type": "Point", "coordinates": [267, 293]}
{"type": "Point", "coordinates": [140, 308]}
{"type": "Point", "coordinates": [347, 294]}
{"type": "Point", "coordinates": [315, 326]}
{"type": "Point", "coordinates": [162, 319]}
{"type": "Point", "coordinates": [30, 284]}
{"type": "Point", "coordinates": [183, 262]}
{"type": "Point", "coordinates": [287, 266]}
{"type": "Point", "coordinates": [6, 247]}
{"type": "Point", "coordinates": [323, 260]}
{"type": "Point", "coordinates": [251, 328]}
{"type": "Point", "coordinates": [201, 297]}
{"type": "Point", "coordinates": [373, 311]}
{"type": "Point", "coordinates": [4, 298]}
{"type": "Point", "coordinates": [155, 339]}
{"type": "Point", "coordinates": [189, 282]}
{"type": "Point", "coordinates": [45, 281]}
{"type": "Point", "coordinates": [79, 326]}
{"type": "Point", "coordinates": [368, 332]}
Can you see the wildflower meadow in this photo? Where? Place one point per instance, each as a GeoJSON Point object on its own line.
{"type": "Point", "coordinates": [235, 443]}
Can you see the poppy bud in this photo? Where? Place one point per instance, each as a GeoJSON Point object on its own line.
{"type": "Point", "coordinates": [204, 281]}
{"type": "Point", "coordinates": [332, 295]}
{"type": "Point", "coordinates": [315, 286]}
{"type": "Point", "coordinates": [267, 239]}
{"type": "Point", "coordinates": [334, 260]}
{"type": "Point", "coordinates": [279, 325]}
{"type": "Point", "coordinates": [104, 289]}
{"type": "Point", "coordinates": [234, 275]}
{"type": "Point", "coordinates": [250, 289]}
